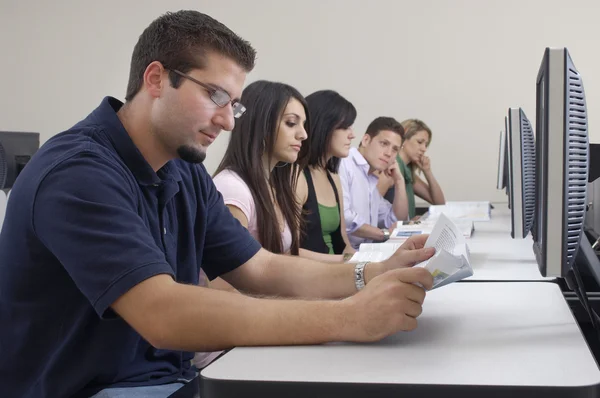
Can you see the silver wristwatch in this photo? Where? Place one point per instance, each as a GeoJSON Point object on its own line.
{"type": "Point", "coordinates": [359, 275]}
{"type": "Point", "coordinates": [386, 234]}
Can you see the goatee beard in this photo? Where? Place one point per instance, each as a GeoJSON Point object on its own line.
{"type": "Point", "coordinates": [190, 154]}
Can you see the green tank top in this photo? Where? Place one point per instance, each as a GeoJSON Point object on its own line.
{"type": "Point", "coordinates": [330, 221]}
{"type": "Point", "coordinates": [410, 192]}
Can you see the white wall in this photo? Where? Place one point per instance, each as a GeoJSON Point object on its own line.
{"type": "Point", "coordinates": [458, 64]}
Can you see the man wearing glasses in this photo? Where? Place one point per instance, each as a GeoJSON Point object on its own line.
{"type": "Point", "coordinates": [108, 225]}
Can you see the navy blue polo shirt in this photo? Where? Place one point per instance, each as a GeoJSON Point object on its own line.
{"type": "Point", "coordinates": [87, 220]}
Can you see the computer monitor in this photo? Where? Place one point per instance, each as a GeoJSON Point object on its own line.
{"type": "Point", "coordinates": [562, 158]}
{"type": "Point", "coordinates": [521, 172]}
{"type": "Point", "coordinates": [507, 182]}
{"type": "Point", "coordinates": [16, 149]}
{"type": "Point", "coordinates": [502, 162]}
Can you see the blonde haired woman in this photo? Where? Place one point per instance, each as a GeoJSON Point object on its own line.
{"type": "Point", "coordinates": [411, 159]}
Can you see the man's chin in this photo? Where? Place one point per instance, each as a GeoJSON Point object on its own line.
{"type": "Point", "coordinates": [190, 154]}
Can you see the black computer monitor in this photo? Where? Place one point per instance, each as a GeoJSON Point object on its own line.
{"type": "Point", "coordinates": [506, 162]}
{"type": "Point", "coordinates": [521, 172]}
{"type": "Point", "coordinates": [562, 158]}
{"type": "Point", "coordinates": [16, 149]}
{"type": "Point", "coordinates": [501, 181]}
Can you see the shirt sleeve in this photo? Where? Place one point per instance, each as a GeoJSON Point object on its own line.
{"type": "Point", "coordinates": [228, 244]}
{"type": "Point", "coordinates": [236, 193]}
{"type": "Point", "coordinates": [353, 219]}
{"type": "Point", "coordinates": [86, 213]}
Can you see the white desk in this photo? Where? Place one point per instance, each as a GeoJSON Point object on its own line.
{"type": "Point", "coordinates": [495, 256]}
{"type": "Point", "coordinates": [473, 340]}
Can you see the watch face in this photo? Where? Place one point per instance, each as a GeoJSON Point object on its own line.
{"type": "Point", "coordinates": [386, 234]}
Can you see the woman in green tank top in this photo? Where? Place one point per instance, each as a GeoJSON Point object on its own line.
{"type": "Point", "coordinates": [319, 187]}
{"type": "Point", "coordinates": [411, 158]}
{"type": "Point", "coordinates": [330, 222]}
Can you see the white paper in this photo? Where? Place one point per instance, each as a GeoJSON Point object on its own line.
{"type": "Point", "coordinates": [374, 252]}
{"type": "Point", "coordinates": [451, 261]}
{"type": "Point", "coordinates": [472, 211]}
{"type": "Point", "coordinates": [403, 232]}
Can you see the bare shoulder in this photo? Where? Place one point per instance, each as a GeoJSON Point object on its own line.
{"type": "Point", "coordinates": [302, 188]}
{"type": "Point", "coordinates": [337, 180]}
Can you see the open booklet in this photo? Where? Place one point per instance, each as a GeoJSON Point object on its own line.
{"type": "Point", "coordinates": [451, 261]}
{"type": "Point", "coordinates": [375, 252]}
{"type": "Point", "coordinates": [461, 211]}
{"type": "Point", "coordinates": [403, 232]}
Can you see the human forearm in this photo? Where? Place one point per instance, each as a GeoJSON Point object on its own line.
{"type": "Point", "coordinates": [221, 323]}
{"type": "Point", "coordinates": [369, 232]}
{"type": "Point", "coordinates": [170, 315]}
{"type": "Point", "coordinates": [348, 247]}
{"type": "Point", "coordinates": [220, 284]}
{"type": "Point", "coordinates": [293, 276]}
{"type": "Point", "coordinates": [435, 191]}
{"type": "Point", "coordinates": [326, 258]}
{"type": "Point", "coordinates": [384, 184]}
{"type": "Point", "coordinates": [192, 318]}
{"type": "Point", "coordinates": [400, 205]}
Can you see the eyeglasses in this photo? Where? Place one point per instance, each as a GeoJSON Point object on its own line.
{"type": "Point", "coordinates": [219, 96]}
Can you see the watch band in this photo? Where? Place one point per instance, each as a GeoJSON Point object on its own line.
{"type": "Point", "coordinates": [386, 234]}
{"type": "Point", "coordinates": [359, 275]}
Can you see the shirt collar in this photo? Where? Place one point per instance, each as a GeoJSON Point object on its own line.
{"type": "Point", "coordinates": [106, 115]}
{"type": "Point", "coordinates": [359, 159]}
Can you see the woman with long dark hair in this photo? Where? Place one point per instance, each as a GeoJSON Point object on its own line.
{"type": "Point", "coordinates": [258, 174]}
{"type": "Point", "coordinates": [319, 187]}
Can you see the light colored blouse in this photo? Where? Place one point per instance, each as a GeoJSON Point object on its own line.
{"type": "Point", "coordinates": [236, 193]}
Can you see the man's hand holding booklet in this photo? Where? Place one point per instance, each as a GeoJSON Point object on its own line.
{"type": "Point", "coordinates": [451, 261]}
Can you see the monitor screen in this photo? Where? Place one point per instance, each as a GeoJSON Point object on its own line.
{"type": "Point", "coordinates": [521, 149]}
{"type": "Point", "coordinates": [16, 149]}
{"type": "Point", "coordinates": [562, 156]}
{"type": "Point", "coordinates": [502, 163]}
{"type": "Point", "coordinates": [506, 181]}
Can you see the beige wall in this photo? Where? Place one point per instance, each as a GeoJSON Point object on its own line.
{"type": "Point", "coordinates": [458, 65]}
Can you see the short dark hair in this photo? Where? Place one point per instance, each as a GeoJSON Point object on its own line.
{"type": "Point", "coordinates": [328, 111]}
{"type": "Point", "coordinates": [385, 123]}
{"type": "Point", "coordinates": [253, 136]}
{"type": "Point", "coordinates": [180, 40]}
